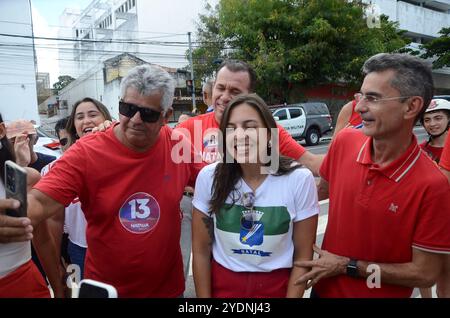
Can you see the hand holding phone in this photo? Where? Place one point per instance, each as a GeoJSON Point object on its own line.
{"type": "Point", "coordinates": [16, 187]}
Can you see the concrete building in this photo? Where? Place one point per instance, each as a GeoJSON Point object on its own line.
{"type": "Point", "coordinates": [17, 62]}
{"type": "Point", "coordinates": [102, 82]}
{"type": "Point", "coordinates": [422, 19]}
{"type": "Point", "coordinates": [111, 35]}
{"type": "Point", "coordinates": [155, 31]}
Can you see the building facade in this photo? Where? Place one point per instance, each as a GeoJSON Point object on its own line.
{"type": "Point", "coordinates": [107, 29]}
{"type": "Point", "coordinates": [17, 62]}
{"type": "Point", "coordinates": [422, 20]}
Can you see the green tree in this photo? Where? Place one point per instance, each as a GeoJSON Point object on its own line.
{"type": "Point", "coordinates": [292, 42]}
{"type": "Point", "coordinates": [439, 48]}
{"type": "Point", "coordinates": [62, 82]}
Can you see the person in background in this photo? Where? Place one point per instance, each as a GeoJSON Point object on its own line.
{"type": "Point", "coordinates": [436, 121]}
{"type": "Point", "coordinates": [443, 282]}
{"type": "Point", "coordinates": [254, 224]}
{"type": "Point", "coordinates": [62, 134]}
{"type": "Point", "coordinates": [19, 276]}
{"type": "Point", "coordinates": [389, 203]}
{"type": "Point", "coordinates": [23, 136]}
{"type": "Point", "coordinates": [236, 77]}
{"type": "Point", "coordinates": [84, 114]}
{"type": "Point", "coordinates": [207, 94]}
{"type": "Point", "coordinates": [348, 118]}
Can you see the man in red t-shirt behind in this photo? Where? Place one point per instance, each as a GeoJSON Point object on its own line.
{"type": "Point", "coordinates": [129, 187]}
{"type": "Point", "coordinates": [236, 77]}
{"type": "Point", "coordinates": [388, 222]}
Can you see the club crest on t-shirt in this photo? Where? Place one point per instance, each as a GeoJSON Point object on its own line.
{"type": "Point", "coordinates": [139, 213]}
{"type": "Point", "coordinates": [252, 229]}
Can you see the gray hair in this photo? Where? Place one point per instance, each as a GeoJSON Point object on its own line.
{"type": "Point", "coordinates": [150, 79]}
{"type": "Point", "coordinates": [208, 85]}
{"type": "Point", "coordinates": [413, 75]}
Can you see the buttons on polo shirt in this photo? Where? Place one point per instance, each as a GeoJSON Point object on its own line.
{"type": "Point", "coordinates": [369, 182]}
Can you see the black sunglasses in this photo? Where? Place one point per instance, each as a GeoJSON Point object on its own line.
{"type": "Point", "coordinates": [148, 115]}
{"type": "Point", "coordinates": [63, 141]}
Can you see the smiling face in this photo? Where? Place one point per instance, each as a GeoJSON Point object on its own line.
{"type": "Point", "coordinates": [87, 116]}
{"type": "Point", "coordinates": [247, 136]}
{"type": "Point", "coordinates": [228, 85]}
{"type": "Point", "coordinates": [435, 122]}
{"type": "Point", "coordinates": [134, 132]}
{"type": "Point", "coordinates": [381, 119]}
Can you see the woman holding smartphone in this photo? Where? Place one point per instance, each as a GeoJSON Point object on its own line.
{"type": "Point", "coordinates": [19, 277]}
{"type": "Point", "coordinates": [250, 223]}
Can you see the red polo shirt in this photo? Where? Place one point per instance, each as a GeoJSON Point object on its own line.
{"type": "Point", "coordinates": [203, 132]}
{"type": "Point", "coordinates": [379, 214]}
{"type": "Point", "coordinates": [445, 157]}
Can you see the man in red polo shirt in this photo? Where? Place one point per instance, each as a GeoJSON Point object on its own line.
{"type": "Point", "coordinates": [443, 283]}
{"type": "Point", "coordinates": [233, 78]}
{"type": "Point", "coordinates": [388, 223]}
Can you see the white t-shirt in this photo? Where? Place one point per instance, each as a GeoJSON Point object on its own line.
{"type": "Point", "coordinates": [12, 255]}
{"type": "Point", "coordinates": [264, 244]}
{"type": "Point", "coordinates": [74, 220]}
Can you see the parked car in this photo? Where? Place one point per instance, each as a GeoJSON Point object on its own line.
{"type": "Point", "coordinates": [308, 121]}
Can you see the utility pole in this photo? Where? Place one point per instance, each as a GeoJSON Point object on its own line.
{"type": "Point", "coordinates": [192, 72]}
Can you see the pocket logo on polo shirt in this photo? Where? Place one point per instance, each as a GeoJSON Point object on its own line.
{"type": "Point", "coordinates": [393, 208]}
{"type": "Point", "coordinates": [139, 213]}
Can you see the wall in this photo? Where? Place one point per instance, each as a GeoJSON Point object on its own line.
{"type": "Point", "coordinates": [17, 69]}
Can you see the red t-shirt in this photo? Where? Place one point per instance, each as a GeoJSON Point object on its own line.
{"type": "Point", "coordinates": [355, 120]}
{"type": "Point", "coordinates": [445, 157]}
{"type": "Point", "coordinates": [433, 152]}
{"type": "Point", "coordinates": [131, 202]}
{"type": "Point", "coordinates": [380, 214]}
{"type": "Point", "coordinates": [203, 133]}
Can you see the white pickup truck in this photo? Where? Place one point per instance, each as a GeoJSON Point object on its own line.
{"type": "Point", "coordinates": [308, 121]}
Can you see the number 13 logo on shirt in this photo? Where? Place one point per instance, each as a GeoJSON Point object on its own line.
{"type": "Point", "coordinates": [139, 213]}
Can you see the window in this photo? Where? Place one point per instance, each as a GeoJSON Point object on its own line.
{"type": "Point", "coordinates": [281, 114]}
{"type": "Point", "coordinates": [295, 112]}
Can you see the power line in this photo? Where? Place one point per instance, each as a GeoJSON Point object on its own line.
{"type": "Point", "coordinates": [118, 41]}
{"type": "Point", "coordinates": [163, 34]}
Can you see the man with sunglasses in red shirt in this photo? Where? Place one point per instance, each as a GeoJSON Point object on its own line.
{"type": "Point", "coordinates": [129, 183]}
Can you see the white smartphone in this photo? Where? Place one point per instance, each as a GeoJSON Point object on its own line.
{"type": "Point", "coordinates": [16, 187]}
{"type": "Point", "coordinates": [93, 289]}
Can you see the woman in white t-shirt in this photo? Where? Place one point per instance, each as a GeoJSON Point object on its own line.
{"type": "Point", "coordinates": [19, 276]}
{"type": "Point", "coordinates": [255, 213]}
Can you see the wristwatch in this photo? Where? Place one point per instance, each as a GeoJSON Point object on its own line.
{"type": "Point", "coordinates": [352, 268]}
